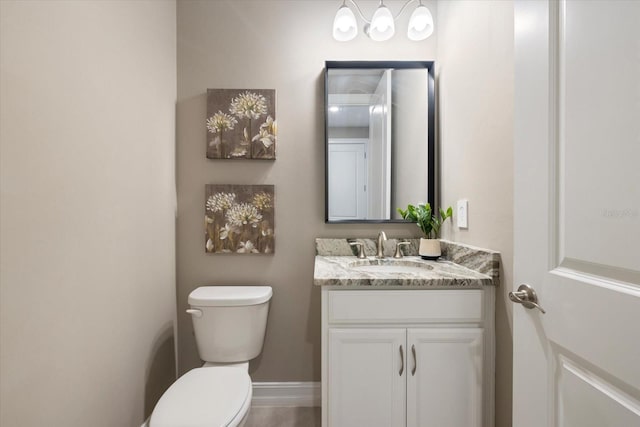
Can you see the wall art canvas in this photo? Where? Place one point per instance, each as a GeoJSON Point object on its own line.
{"type": "Point", "coordinates": [239, 219]}
{"type": "Point", "coordinates": [241, 124]}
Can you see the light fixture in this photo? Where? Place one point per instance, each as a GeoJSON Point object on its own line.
{"type": "Point", "coordinates": [382, 25]}
{"type": "Point", "coordinates": [345, 26]}
{"type": "Point", "coordinates": [420, 24]}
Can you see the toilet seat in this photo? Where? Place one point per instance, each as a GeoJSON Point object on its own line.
{"type": "Point", "coordinates": [205, 397]}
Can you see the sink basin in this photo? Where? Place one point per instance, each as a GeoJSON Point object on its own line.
{"type": "Point", "coordinates": [390, 266]}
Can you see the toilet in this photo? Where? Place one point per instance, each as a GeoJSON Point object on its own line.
{"type": "Point", "coordinates": [229, 324]}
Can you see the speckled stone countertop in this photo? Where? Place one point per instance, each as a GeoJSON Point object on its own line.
{"type": "Point", "coordinates": [460, 266]}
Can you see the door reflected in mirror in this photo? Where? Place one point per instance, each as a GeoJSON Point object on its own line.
{"type": "Point", "coordinates": [379, 139]}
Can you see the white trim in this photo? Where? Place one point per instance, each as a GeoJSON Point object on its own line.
{"type": "Point", "coordinates": [286, 394]}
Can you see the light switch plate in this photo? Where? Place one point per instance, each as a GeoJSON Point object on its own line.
{"type": "Point", "coordinates": [463, 214]}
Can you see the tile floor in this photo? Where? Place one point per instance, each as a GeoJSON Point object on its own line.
{"type": "Point", "coordinates": [279, 416]}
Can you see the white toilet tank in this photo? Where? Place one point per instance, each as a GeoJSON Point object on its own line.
{"type": "Point", "coordinates": [229, 321]}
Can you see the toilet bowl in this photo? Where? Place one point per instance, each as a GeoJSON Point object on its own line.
{"type": "Point", "coordinates": [229, 325]}
{"type": "Point", "coordinates": [205, 397]}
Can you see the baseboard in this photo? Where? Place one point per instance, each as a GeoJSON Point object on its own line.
{"type": "Point", "coordinates": [286, 394]}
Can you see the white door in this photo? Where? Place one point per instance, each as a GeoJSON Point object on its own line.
{"type": "Point", "coordinates": [379, 172]}
{"type": "Point", "coordinates": [366, 378]}
{"type": "Point", "coordinates": [577, 213]}
{"type": "Point", "coordinates": [444, 377]}
{"type": "Point", "coordinates": [347, 180]}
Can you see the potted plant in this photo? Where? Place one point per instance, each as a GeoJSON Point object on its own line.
{"type": "Point", "coordinates": [430, 225]}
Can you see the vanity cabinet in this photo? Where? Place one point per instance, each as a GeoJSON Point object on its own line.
{"type": "Point", "coordinates": [415, 358]}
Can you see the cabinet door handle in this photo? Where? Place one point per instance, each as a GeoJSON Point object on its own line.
{"type": "Point", "coordinates": [401, 361]}
{"type": "Point", "coordinates": [415, 361]}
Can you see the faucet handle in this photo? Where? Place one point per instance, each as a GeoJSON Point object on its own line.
{"type": "Point", "coordinates": [360, 247]}
{"type": "Point", "coordinates": [398, 253]}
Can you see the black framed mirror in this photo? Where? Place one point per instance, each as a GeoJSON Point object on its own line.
{"type": "Point", "coordinates": [379, 139]}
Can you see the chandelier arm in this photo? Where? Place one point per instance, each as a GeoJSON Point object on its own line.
{"type": "Point", "coordinates": [394, 18]}
{"type": "Point", "coordinates": [360, 11]}
{"type": "Point", "coordinates": [404, 7]}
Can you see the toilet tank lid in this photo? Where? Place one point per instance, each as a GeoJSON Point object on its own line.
{"type": "Point", "coordinates": [225, 296]}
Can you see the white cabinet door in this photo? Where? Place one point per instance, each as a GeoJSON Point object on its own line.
{"type": "Point", "coordinates": [366, 377]}
{"type": "Point", "coordinates": [444, 378]}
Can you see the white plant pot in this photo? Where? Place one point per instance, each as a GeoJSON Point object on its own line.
{"type": "Point", "coordinates": [430, 249]}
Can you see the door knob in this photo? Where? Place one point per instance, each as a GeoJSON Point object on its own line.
{"type": "Point", "coordinates": [526, 296]}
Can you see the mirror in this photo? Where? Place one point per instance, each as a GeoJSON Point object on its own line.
{"type": "Point", "coordinates": [379, 131]}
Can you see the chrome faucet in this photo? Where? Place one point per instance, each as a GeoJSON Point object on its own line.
{"type": "Point", "coordinates": [381, 238]}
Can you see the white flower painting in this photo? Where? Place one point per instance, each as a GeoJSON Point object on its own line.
{"type": "Point", "coordinates": [239, 219]}
{"type": "Point", "coordinates": [241, 124]}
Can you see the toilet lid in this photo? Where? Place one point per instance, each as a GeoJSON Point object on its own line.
{"type": "Point", "coordinates": [204, 397]}
{"type": "Point", "coordinates": [229, 296]}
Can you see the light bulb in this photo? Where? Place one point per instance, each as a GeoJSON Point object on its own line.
{"type": "Point", "coordinates": [382, 24]}
{"type": "Point", "coordinates": [420, 23]}
{"type": "Point", "coordinates": [343, 23]}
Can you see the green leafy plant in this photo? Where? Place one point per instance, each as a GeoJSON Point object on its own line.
{"type": "Point", "coordinates": [424, 218]}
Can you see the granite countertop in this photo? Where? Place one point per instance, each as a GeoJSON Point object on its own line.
{"type": "Point", "coordinates": [340, 271]}
{"type": "Point", "coordinates": [461, 266]}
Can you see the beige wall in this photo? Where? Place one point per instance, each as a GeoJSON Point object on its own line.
{"type": "Point", "coordinates": [88, 210]}
{"type": "Point", "coordinates": [278, 45]}
{"type": "Point", "coordinates": [475, 80]}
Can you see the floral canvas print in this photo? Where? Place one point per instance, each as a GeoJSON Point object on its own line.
{"type": "Point", "coordinates": [239, 219]}
{"type": "Point", "coordinates": [241, 124]}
